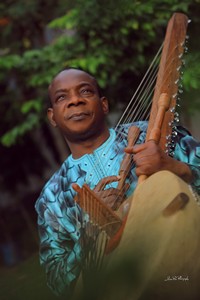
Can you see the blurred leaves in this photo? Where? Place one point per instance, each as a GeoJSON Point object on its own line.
{"type": "Point", "coordinates": [68, 21]}
{"type": "Point", "coordinates": [191, 78]}
{"type": "Point", "coordinates": [10, 137]}
{"type": "Point", "coordinates": [114, 40]}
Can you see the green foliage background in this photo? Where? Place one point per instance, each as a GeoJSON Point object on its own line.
{"type": "Point", "coordinates": [114, 40]}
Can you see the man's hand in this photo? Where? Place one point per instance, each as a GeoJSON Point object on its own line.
{"type": "Point", "coordinates": [149, 158]}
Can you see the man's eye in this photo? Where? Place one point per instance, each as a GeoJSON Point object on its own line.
{"type": "Point", "coordinates": [87, 92]}
{"type": "Point", "coordinates": [60, 98]}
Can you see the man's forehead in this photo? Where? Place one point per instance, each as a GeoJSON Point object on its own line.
{"type": "Point", "coordinates": [72, 76]}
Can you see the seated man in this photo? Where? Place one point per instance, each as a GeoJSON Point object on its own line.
{"type": "Point", "coordinates": [79, 111]}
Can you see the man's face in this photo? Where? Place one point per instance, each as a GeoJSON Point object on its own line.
{"type": "Point", "coordinates": [77, 108]}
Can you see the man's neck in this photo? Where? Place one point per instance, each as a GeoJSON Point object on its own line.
{"type": "Point", "coordinates": [82, 147]}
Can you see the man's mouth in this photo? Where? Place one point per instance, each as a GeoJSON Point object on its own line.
{"type": "Point", "coordinates": [78, 116]}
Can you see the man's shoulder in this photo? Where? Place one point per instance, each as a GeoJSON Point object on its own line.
{"type": "Point", "coordinates": [60, 173]}
{"type": "Point", "coordinates": [54, 185]}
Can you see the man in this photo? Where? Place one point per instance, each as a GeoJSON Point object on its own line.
{"type": "Point", "coordinates": [79, 111]}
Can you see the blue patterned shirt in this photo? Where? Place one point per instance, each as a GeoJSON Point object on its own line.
{"type": "Point", "coordinates": [59, 218]}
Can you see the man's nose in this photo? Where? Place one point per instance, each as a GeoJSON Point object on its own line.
{"type": "Point", "coordinates": [75, 99]}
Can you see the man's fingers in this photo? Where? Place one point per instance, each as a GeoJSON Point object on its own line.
{"type": "Point", "coordinates": [112, 197]}
{"type": "Point", "coordinates": [103, 182]}
{"type": "Point", "coordinates": [148, 146]}
{"type": "Point", "coordinates": [135, 149]}
{"type": "Point", "coordinates": [76, 187]}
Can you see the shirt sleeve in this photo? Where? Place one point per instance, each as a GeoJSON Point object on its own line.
{"type": "Point", "coordinates": [188, 151]}
{"type": "Point", "coordinates": [60, 251]}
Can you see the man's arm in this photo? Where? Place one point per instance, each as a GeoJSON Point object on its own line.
{"type": "Point", "coordinates": [60, 252]}
{"type": "Point", "coordinates": [149, 159]}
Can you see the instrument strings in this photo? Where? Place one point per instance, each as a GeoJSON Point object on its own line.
{"type": "Point", "coordinates": [142, 94]}
{"type": "Point", "coordinates": [140, 103]}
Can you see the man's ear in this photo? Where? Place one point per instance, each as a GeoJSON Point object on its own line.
{"type": "Point", "coordinates": [51, 117]}
{"type": "Point", "coordinates": [105, 105]}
